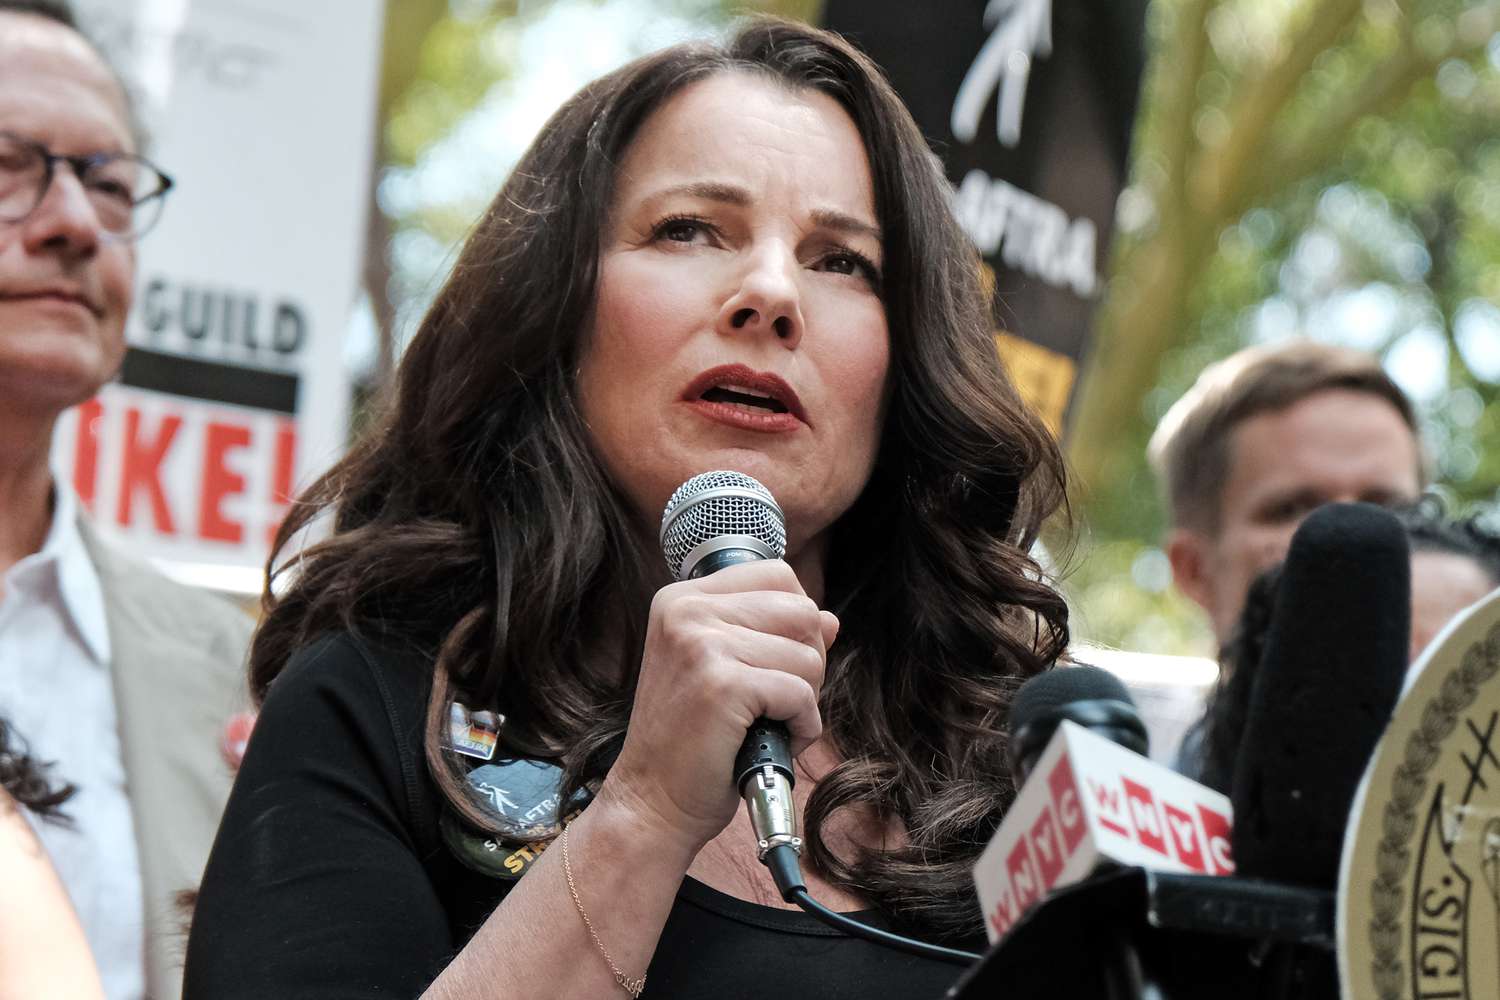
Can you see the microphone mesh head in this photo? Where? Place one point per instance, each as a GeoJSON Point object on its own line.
{"type": "Point", "coordinates": [712, 504]}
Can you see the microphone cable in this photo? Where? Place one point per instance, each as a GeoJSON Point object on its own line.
{"type": "Point", "coordinates": [787, 873]}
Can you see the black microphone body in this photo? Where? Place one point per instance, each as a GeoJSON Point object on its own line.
{"type": "Point", "coordinates": [1334, 662]}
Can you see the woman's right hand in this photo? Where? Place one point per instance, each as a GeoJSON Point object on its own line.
{"type": "Point", "coordinates": [720, 652]}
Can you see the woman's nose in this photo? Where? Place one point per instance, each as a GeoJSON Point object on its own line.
{"type": "Point", "coordinates": [767, 300]}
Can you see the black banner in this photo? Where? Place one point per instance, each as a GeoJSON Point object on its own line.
{"type": "Point", "coordinates": [1030, 103]}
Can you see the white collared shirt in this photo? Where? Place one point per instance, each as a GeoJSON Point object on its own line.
{"type": "Point", "coordinates": [57, 694]}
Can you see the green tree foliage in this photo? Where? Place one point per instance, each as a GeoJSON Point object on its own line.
{"type": "Point", "coordinates": [1324, 168]}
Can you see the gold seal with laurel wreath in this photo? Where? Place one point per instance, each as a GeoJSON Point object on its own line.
{"type": "Point", "coordinates": [1419, 888]}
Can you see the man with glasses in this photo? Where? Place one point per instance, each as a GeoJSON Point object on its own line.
{"type": "Point", "coordinates": [121, 678]}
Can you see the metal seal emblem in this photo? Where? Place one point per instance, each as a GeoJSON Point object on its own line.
{"type": "Point", "coordinates": [1419, 886]}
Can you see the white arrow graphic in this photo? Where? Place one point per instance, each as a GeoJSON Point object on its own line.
{"type": "Point", "coordinates": [1021, 31]}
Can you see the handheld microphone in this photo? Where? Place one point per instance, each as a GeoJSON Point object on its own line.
{"type": "Point", "coordinates": [1334, 661]}
{"type": "Point", "coordinates": [714, 520]}
{"type": "Point", "coordinates": [718, 519]}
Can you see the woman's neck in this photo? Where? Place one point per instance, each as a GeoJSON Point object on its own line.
{"type": "Point", "coordinates": [808, 563]}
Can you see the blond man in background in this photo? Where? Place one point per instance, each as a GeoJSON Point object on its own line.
{"type": "Point", "coordinates": [1262, 439]}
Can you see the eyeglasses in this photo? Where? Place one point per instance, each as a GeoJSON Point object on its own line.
{"type": "Point", "coordinates": [126, 191]}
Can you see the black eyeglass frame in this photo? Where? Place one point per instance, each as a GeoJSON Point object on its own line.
{"type": "Point", "coordinates": [81, 165]}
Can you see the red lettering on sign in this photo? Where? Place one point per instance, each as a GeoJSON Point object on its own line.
{"type": "Point", "coordinates": [86, 452]}
{"type": "Point", "coordinates": [1144, 817]}
{"type": "Point", "coordinates": [1022, 873]}
{"type": "Point", "coordinates": [142, 470]}
{"type": "Point", "coordinates": [219, 481]}
{"type": "Point", "coordinates": [1004, 913]}
{"type": "Point", "coordinates": [281, 474]}
{"type": "Point", "coordinates": [1111, 813]}
{"type": "Point", "coordinates": [1046, 847]}
{"type": "Point", "coordinates": [1065, 804]}
{"type": "Point", "coordinates": [1216, 834]}
{"type": "Point", "coordinates": [1184, 833]}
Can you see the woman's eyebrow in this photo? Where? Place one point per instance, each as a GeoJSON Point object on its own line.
{"type": "Point", "coordinates": [840, 222]}
{"type": "Point", "coordinates": [730, 194]}
{"type": "Point", "coordinates": [733, 194]}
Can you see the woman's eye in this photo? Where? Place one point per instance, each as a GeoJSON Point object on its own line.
{"type": "Point", "coordinates": [842, 263]}
{"type": "Point", "coordinates": [851, 263]}
{"type": "Point", "coordinates": [681, 230]}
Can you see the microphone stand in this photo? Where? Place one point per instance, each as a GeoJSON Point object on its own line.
{"type": "Point", "coordinates": [1136, 934]}
{"type": "Point", "coordinates": [1124, 976]}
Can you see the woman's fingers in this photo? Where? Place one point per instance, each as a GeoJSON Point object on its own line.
{"type": "Point", "coordinates": [778, 654]}
{"type": "Point", "coordinates": [721, 651]}
{"type": "Point", "coordinates": [791, 700]}
{"type": "Point", "coordinates": [830, 625]}
{"type": "Point", "coordinates": [770, 612]}
{"type": "Point", "coordinates": [763, 574]}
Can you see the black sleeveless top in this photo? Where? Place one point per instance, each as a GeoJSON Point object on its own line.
{"type": "Point", "coordinates": [329, 877]}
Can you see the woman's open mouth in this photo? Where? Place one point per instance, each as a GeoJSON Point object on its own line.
{"type": "Point", "coordinates": [743, 396]}
{"type": "Point", "coordinates": [738, 396]}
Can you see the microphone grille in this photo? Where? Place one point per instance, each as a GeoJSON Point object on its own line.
{"type": "Point", "coordinates": [713, 504]}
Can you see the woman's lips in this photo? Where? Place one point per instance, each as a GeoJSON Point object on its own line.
{"type": "Point", "coordinates": [735, 390]}
{"type": "Point", "coordinates": [747, 418]}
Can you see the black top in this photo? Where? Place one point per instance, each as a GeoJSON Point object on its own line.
{"type": "Point", "coordinates": [330, 879]}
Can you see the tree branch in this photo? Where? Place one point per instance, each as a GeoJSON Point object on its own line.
{"type": "Point", "coordinates": [1185, 54]}
{"type": "Point", "coordinates": [1261, 99]}
{"type": "Point", "coordinates": [1385, 86]}
{"type": "Point", "coordinates": [1382, 88]}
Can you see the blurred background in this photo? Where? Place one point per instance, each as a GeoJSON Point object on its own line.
{"type": "Point", "coordinates": [1188, 177]}
{"type": "Point", "coordinates": [1320, 168]}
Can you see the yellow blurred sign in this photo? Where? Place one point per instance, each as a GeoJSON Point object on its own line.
{"type": "Point", "coordinates": [1043, 377]}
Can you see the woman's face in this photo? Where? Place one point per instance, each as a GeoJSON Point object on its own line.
{"type": "Point", "coordinates": [738, 322]}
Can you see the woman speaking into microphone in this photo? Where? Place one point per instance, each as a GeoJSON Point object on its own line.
{"type": "Point", "coordinates": [736, 257]}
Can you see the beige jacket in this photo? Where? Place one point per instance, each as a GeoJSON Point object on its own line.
{"type": "Point", "coordinates": [178, 659]}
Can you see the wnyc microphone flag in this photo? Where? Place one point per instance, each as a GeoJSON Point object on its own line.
{"type": "Point", "coordinates": [1088, 802]}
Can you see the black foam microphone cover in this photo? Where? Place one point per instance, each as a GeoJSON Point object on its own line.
{"type": "Point", "coordinates": [1088, 696]}
{"type": "Point", "coordinates": [1334, 659]}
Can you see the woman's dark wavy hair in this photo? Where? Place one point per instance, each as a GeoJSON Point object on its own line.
{"type": "Point", "coordinates": [475, 520]}
{"type": "Point", "coordinates": [24, 778]}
